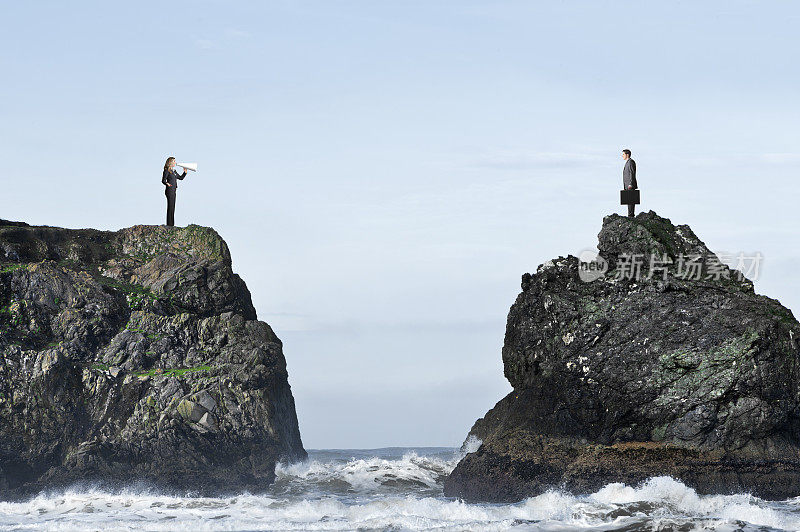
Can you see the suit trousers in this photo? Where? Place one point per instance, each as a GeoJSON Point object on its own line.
{"type": "Point", "coordinates": [170, 193]}
{"type": "Point", "coordinates": [631, 207]}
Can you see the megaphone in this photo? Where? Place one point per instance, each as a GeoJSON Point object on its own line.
{"type": "Point", "coordinates": [188, 166]}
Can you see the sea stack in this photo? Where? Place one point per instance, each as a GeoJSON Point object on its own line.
{"type": "Point", "coordinates": [620, 377]}
{"type": "Point", "coordinates": [135, 355]}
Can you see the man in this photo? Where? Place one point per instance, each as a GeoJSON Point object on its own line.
{"type": "Point", "coordinates": [629, 177]}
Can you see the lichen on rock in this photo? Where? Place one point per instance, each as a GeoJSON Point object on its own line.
{"type": "Point", "coordinates": [620, 379]}
{"type": "Point", "coordinates": [135, 355]}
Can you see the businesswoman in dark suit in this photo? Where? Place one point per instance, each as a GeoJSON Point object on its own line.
{"type": "Point", "coordinates": [170, 180]}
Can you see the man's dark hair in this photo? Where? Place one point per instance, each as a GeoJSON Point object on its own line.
{"type": "Point", "coordinates": [627, 151]}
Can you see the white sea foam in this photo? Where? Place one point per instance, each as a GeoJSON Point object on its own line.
{"type": "Point", "coordinates": [371, 474]}
{"type": "Point", "coordinates": [130, 511]}
{"type": "Point", "coordinates": [672, 496]}
{"type": "Point", "coordinates": [470, 445]}
{"type": "Point", "coordinates": [400, 493]}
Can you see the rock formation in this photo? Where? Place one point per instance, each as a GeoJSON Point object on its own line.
{"type": "Point", "coordinates": [135, 355]}
{"type": "Point", "coordinates": [619, 379]}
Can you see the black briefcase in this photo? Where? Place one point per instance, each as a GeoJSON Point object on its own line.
{"type": "Point", "coordinates": [629, 197]}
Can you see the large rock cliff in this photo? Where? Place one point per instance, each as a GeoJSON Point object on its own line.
{"type": "Point", "coordinates": [684, 371]}
{"type": "Point", "coordinates": [135, 355]}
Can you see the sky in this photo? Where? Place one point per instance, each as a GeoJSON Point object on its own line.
{"type": "Point", "coordinates": [385, 172]}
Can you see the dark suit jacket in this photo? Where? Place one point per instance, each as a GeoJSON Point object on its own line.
{"type": "Point", "coordinates": [171, 177]}
{"type": "Point", "coordinates": [629, 174]}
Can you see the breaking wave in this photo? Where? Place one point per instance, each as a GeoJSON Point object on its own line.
{"type": "Point", "coordinates": [366, 475]}
{"type": "Point", "coordinates": [397, 489]}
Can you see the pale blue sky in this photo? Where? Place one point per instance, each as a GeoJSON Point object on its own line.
{"type": "Point", "coordinates": [384, 172]}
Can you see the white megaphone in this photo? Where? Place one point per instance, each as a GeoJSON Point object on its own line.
{"type": "Point", "coordinates": [188, 166]}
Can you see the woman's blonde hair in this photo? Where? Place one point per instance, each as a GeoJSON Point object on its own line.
{"type": "Point", "coordinates": [166, 164]}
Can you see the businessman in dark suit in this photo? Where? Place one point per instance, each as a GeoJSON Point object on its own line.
{"type": "Point", "coordinates": [629, 177]}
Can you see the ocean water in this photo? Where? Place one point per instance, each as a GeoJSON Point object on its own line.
{"type": "Point", "coordinates": [395, 489]}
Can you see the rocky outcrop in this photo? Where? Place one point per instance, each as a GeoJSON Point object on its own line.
{"type": "Point", "coordinates": [135, 355]}
{"type": "Point", "coordinates": [683, 371]}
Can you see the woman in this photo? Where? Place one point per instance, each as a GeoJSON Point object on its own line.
{"type": "Point", "coordinates": [170, 179]}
